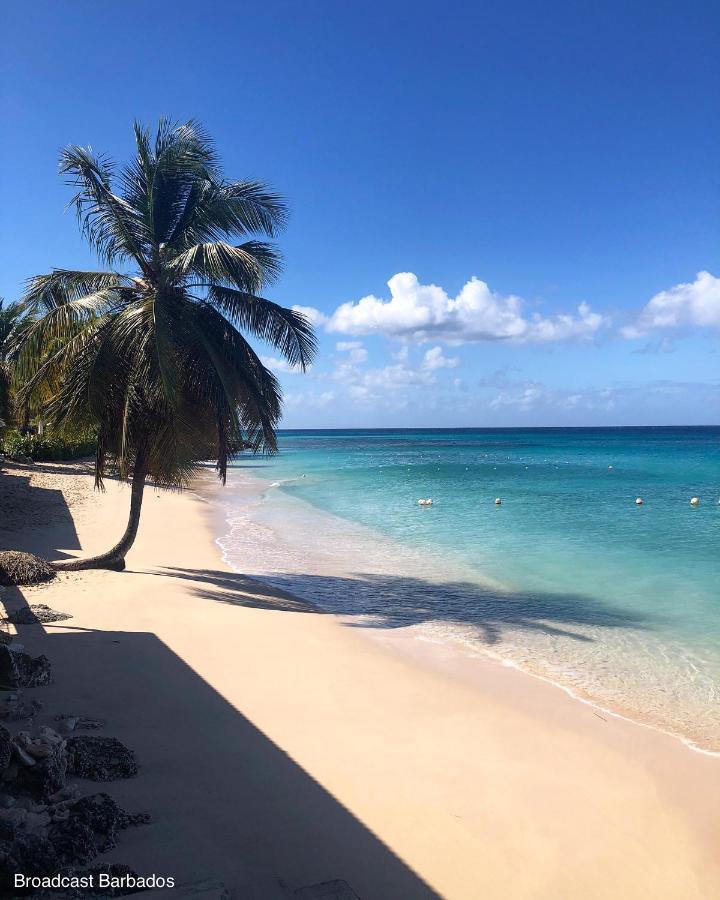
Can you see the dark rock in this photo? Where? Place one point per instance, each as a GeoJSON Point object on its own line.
{"type": "Point", "coordinates": [8, 669]}
{"type": "Point", "coordinates": [74, 842]}
{"type": "Point", "coordinates": [35, 614]}
{"type": "Point", "coordinates": [10, 773]}
{"type": "Point", "coordinates": [33, 671]}
{"type": "Point", "coordinates": [23, 568]}
{"type": "Point", "coordinates": [47, 775]}
{"type": "Point", "coordinates": [6, 749]}
{"type": "Point", "coordinates": [19, 669]}
{"type": "Point", "coordinates": [99, 758]}
{"type": "Point", "coordinates": [105, 818]}
{"type": "Point", "coordinates": [30, 854]}
{"type": "Point", "coordinates": [90, 828]}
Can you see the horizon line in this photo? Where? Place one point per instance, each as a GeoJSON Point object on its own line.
{"type": "Point", "coordinates": [492, 427]}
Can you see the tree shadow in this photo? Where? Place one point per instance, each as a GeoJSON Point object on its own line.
{"type": "Point", "coordinates": [25, 509]}
{"type": "Point", "coordinates": [239, 590]}
{"type": "Point", "coordinates": [227, 802]}
{"type": "Point", "coordinates": [393, 601]}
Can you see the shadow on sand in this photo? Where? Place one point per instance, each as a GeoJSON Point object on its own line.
{"type": "Point", "coordinates": [226, 801]}
{"type": "Point", "coordinates": [49, 506]}
{"type": "Point", "coordinates": [398, 601]}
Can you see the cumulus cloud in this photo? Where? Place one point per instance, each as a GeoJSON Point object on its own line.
{"type": "Point", "coordinates": [316, 317]}
{"type": "Point", "coordinates": [423, 312]}
{"type": "Point", "coordinates": [305, 399]}
{"type": "Point", "coordinates": [434, 359]}
{"type": "Point", "coordinates": [378, 382]}
{"type": "Point", "coordinates": [280, 365]}
{"type": "Point", "coordinates": [696, 303]}
{"type": "Point", "coordinates": [355, 350]}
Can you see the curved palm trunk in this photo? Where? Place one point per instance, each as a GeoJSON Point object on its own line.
{"type": "Point", "coordinates": [115, 558]}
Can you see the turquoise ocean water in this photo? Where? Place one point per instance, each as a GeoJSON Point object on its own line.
{"type": "Point", "coordinates": [568, 578]}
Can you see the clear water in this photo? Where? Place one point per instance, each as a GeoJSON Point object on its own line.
{"type": "Point", "coordinates": [568, 578]}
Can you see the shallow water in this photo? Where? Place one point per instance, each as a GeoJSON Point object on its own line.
{"type": "Point", "coordinates": [568, 578]}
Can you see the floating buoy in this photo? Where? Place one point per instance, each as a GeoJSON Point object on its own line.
{"type": "Point", "coordinates": [610, 467]}
{"type": "Point", "coordinates": [695, 501]}
{"type": "Point", "coordinates": [639, 501]}
{"type": "Point", "coordinates": [427, 502]}
{"type": "Point", "coordinates": [498, 501]}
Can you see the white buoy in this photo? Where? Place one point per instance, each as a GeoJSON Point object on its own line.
{"type": "Point", "coordinates": [498, 501]}
{"type": "Point", "coordinates": [639, 501]}
{"type": "Point", "coordinates": [695, 501]}
{"type": "Point", "coordinates": [610, 467]}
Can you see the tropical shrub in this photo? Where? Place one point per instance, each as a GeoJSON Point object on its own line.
{"type": "Point", "coordinates": [46, 447]}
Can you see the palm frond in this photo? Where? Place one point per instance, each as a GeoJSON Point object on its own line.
{"type": "Point", "coordinates": [166, 174]}
{"type": "Point", "coordinates": [45, 292]}
{"type": "Point", "coordinates": [216, 211]}
{"type": "Point", "coordinates": [246, 267]}
{"type": "Point", "coordinates": [10, 315]}
{"type": "Point", "coordinates": [288, 331]}
{"type": "Point", "coordinates": [112, 226]}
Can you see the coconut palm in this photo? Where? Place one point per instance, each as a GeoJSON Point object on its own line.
{"type": "Point", "coordinates": [9, 318]}
{"type": "Point", "coordinates": [149, 352]}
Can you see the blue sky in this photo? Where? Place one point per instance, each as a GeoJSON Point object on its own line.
{"type": "Point", "coordinates": [562, 155]}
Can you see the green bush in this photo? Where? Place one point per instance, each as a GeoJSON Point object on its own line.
{"type": "Point", "coordinates": [46, 447]}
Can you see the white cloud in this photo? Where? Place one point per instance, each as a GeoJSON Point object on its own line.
{"type": "Point", "coordinates": [376, 383]}
{"type": "Point", "coordinates": [524, 397]}
{"type": "Point", "coordinates": [434, 359]}
{"type": "Point", "coordinates": [355, 350]}
{"type": "Point", "coordinates": [359, 392]}
{"type": "Point", "coordinates": [696, 303]}
{"type": "Point", "coordinates": [316, 317]}
{"type": "Point", "coordinates": [419, 312]}
{"type": "Point", "coordinates": [402, 354]}
{"type": "Point", "coordinates": [398, 375]}
{"type": "Point", "coordinates": [305, 399]}
{"type": "Point", "coordinates": [280, 365]}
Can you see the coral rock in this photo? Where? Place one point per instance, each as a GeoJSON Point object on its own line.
{"type": "Point", "coordinates": [99, 758]}
{"type": "Point", "coordinates": [23, 568]}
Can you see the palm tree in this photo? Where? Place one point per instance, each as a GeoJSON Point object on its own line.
{"type": "Point", "coordinates": [9, 317]}
{"type": "Point", "coordinates": [150, 353]}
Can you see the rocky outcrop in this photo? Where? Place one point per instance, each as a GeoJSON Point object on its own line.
{"type": "Point", "coordinates": [99, 758]}
{"type": "Point", "coordinates": [35, 614]}
{"type": "Point", "coordinates": [38, 839]}
{"type": "Point", "coordinates": [45, 826]}
{"type": "Point", "coordinates": [24, 568]}
{"type": "Point", "coordinates": [19, 669]}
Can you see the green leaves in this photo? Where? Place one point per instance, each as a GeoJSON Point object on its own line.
{"type": "Point", "coordinates": [153, 358]}
{"type": "Point", "coordinates": [288, 331]}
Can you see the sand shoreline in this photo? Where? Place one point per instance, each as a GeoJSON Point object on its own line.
{"type": "Point", "coordinates": [446, 654]}
{"type": "Point", "coordinates": [314, 753]}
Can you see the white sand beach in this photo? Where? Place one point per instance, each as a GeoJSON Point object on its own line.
{"type": "Point", "coordinates": [273, 742]}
